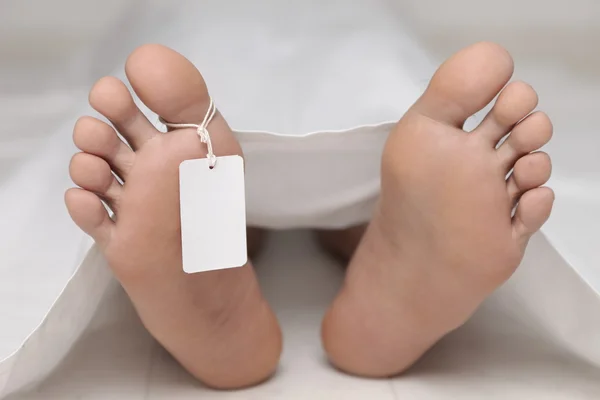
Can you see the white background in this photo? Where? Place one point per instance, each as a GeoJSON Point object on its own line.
{"type": "Point", "coordinates": [45, 72]}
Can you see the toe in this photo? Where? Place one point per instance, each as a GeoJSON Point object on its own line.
{"type": "Point", "coordinates": [98, 138]}
{"type": "Point", "coordinates": [89, 214]}
{"type": "Point", "coordinates": [529, 135]}
{"type": "Point", "coordinates": [111, 98]}
{"type": "Point", "coordinates": [93, 174]}
{"type": "Point", "coordinates": [466, 83]}
{"type": "Point", "coordinates": [530, 171]}
{"type": "Point", "coordinates": [515, 102]}
{"type": "Point", "coordinates": [172, 87]}
{"type": "Point", "coordinates": [532, 212]}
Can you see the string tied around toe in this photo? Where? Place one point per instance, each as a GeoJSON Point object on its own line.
{"type": "Point", "coordinates": [201, 130]}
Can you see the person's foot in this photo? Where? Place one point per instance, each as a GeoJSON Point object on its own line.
{"type": "Point", "coordinates": [443, 236]}
{"type": "Point", "coordinates": [341, 243]}
{"type": "Point", "coordinates": [216, 323]}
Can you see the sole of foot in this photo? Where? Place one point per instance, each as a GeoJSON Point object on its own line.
{"type": "Point", "coordinates": [450, 227]}
{"type": "Point", "coordinates": [216, 324]}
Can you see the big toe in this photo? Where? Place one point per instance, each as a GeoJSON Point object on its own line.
{"type": "Point", "coordinates": [171, 86]}
{"type": "Point", "coordinates": [466, 83]}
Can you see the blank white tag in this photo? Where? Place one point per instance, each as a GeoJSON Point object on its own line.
{"type": "Point", "coordinates": [213, 214]}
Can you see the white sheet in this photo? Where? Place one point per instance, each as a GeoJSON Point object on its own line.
{"type": "Point", "coordinates": [542, 324]}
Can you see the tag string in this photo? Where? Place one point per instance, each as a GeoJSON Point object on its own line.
{"type": "Point", "coordinates": [202, 131]}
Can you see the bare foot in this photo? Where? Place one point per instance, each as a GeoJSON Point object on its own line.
{"type": "Point", "coordinates": [341, 243]}
{"type": "Point", "coordinates": [217, 323]}
{"type": "Point", "coordinates": [443, 237]}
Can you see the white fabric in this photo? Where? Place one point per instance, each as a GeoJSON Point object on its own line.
{"type": "Point", "coordinates": [330, 77]}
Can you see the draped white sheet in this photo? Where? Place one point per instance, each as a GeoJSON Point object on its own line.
{"type": "Point", "coordinates": [310, 88]}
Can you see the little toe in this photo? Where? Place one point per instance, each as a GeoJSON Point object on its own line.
{"type": "Point", "coordinates": [515, 102]}
{"type": "Point", "coordinates": [171, 86]}
{"type": "Point", "coordinates": [529, 135]}
{"type": "Point", "coordinates": [89, 214]}
{"type": "Point", "coordinates": [530, 171]}
{"type": "Point", "coordinates": [93, 174]}
{"type": "Point", "coordinates": [111, 98]}
{"type": "Point", "coordinates": [95, 137]}
{"type": "Point", "coordinates": [532, 212]}
{"type": "Point", "coordinates": [466, 83]}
